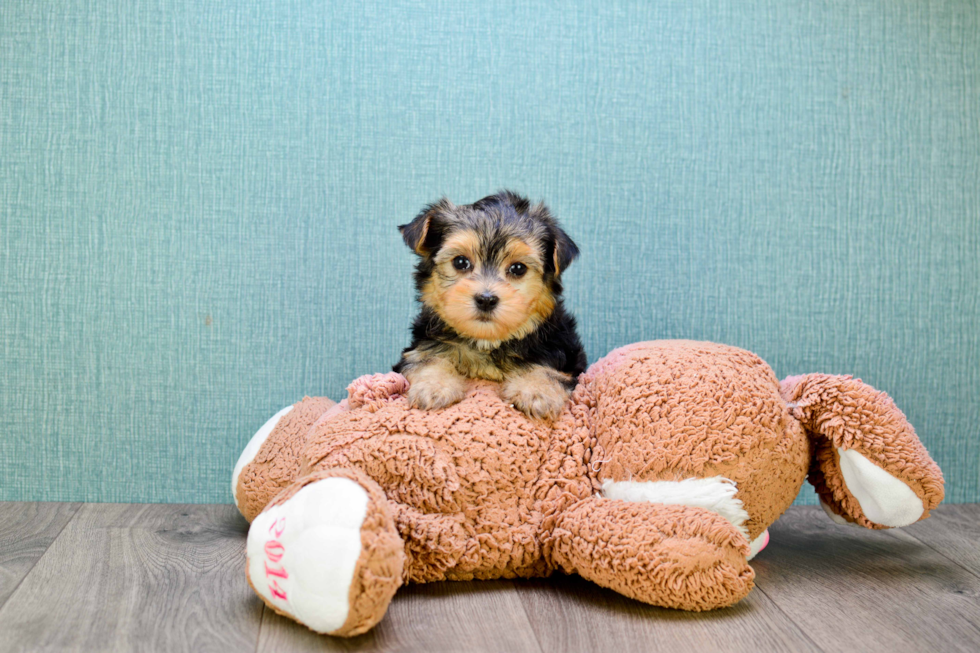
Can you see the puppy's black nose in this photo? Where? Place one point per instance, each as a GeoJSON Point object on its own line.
{"type": "Point", "coordinates": [485, 301]}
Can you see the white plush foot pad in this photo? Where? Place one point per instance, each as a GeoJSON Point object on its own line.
{"type": "Point", "coordinates": [302, 554]}
{"type": "Point", "coordinates": [884, 499]}
{"type": "Point", "coordinates": [253, 446]}
{"type": "Point", "coordinates": [714, 493]}
{"type": "Point", "coordinates": [758, 544]}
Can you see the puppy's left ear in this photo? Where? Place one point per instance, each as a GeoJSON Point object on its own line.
{"type": "Point", "coordinates": [424, 233]}
{"type": "Point", "coordinates": [566, 251]}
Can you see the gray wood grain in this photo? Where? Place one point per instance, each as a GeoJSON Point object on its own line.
{"type": "Point", "coordinates": [26, 532]}
{"type": "Point", "coordinates": [434, 618]}
{"type": "Point", "coordinates": [171, 578]}
{"type": "Point", "coordinates": [138, 577]}
{"type": "Point", "coordinates": [570, 614]}
{"type": "Point", "coordinates": [954, 531]}
{"type": "Point", "coordinates": [852, 589]}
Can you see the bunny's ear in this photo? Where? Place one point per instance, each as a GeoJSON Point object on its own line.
{"type": "Point", "coordinates": [423, 235]}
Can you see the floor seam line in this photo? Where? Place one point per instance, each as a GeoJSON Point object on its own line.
{"type": "Point", "coordinates": [258, 637]}
{"type": "Point", "coordinates": [805, 634]}
{"type": "Point", "coordinates": [940, 553]}
{"type": "Point", "coordinates": [41, 557]}
{"type": "Point", "coordinates": [520, 599]}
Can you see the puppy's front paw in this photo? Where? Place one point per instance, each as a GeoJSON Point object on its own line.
{"type": "Point", "coordinates": [430, 394]}
{"type": "Point", "coordinates": [540, 393]}
{"type": "Point", "coordinates": [540, 406]}
{"type": "Point", "coordinates": [434, 383]}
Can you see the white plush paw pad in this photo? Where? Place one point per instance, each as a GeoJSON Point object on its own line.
{"type": "Point", "coordinates": [302, 554]}
{"type": "Point", "coordinates": [884, 499]}
{"type": "Point", "coordinates": [253, 446]}
{"type": "Point", "coordinates": [714, 493]}
{"type": "Point", "coordinates": [758, 544]}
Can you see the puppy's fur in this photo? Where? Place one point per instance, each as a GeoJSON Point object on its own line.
{"type": "Point", "coordinates": [489, 281]}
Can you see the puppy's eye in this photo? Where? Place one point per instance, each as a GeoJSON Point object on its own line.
{"type": "Point", "coordinates": [462, 263]}
{"type": "Point", "coordinates": [517, 269]}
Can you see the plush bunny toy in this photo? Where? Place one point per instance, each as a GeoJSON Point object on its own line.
{"type": "Point", "coordinates": [658, 480]}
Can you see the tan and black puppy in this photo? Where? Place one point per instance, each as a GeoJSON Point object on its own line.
{"type": "Point", "coordinates": [489, 281]}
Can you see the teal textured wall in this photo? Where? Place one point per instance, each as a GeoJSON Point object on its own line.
{"type": "Point", "coordinates": [198, 204]}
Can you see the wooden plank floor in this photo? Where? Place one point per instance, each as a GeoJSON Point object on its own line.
{"type": "Point", "coordinates": [109, 577]}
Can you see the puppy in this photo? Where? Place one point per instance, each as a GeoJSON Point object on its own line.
{"type": "Point", "coordinates": [489, 281]}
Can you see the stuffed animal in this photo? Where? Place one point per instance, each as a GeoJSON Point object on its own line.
{"type": "Point", "coordinates": [658, 480]}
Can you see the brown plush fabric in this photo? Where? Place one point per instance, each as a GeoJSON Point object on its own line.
{"type": "Point", "coordinates": [276, 465]}
{"type": "Point", "coordinates": [841, 412]}
{"type": "Point", "coordinates": [677, 409]}
{"type": "Point", "coordinates": [671, 556]}
{"type": "Point", "coordinates": [461, 480]}
{"type": "Point", "coordinates": [479, 490]}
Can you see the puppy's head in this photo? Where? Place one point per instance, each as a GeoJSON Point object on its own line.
{"type": "Point", "coordinates": [491, 270]}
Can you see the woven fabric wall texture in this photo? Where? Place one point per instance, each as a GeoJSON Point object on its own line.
{"type": "Point", "coordinates": [198, 204]}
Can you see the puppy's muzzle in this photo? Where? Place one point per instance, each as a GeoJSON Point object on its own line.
{"type": "Point", "coordinates": [486, 301]}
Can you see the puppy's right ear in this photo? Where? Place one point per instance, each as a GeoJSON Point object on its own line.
{"type": "Point", "coordinates": [424, 233]}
